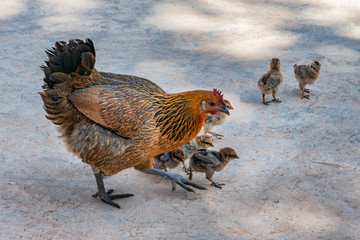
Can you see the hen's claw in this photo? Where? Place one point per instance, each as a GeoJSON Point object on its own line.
{"type": "Point", "coordinates": [175, 179]}
{"type": "Point", "coordinates": [106, 196]}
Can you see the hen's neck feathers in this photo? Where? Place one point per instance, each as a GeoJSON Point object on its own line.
{"type": "Point", "coordinates": [179, 116]}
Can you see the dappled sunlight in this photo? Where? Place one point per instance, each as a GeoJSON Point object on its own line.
{"type": "Point", "coordinates": [11, 8]}
{"type": "Point", "coordinates": [252, 30]}
{"type": "Point", "coordinates": [343, 16]}
{"type": "Point", "coordinates": [67, 15]}
{"type": "Point", "coordinates": [226, 26]}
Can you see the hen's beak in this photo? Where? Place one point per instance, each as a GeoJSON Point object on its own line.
{"type": "Point", "coordinates": [225, 110]}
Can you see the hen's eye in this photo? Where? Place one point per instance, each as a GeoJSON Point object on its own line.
{"type": "Point", "coordinates": [211, 103]}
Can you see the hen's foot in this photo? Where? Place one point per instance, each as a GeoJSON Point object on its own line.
{"type": "Point", "coordinates": [175, 179]}
{"type": "Point", "coordinates": [276, 100]}
{"type": "Point", "coordinates": [306, 90]}
{"type": "Point", "coordinates": [306, 96]}
{"type": "Point", "coordinates": [106, 196]}
{"type": "Point", "coordinates": [266, 103]}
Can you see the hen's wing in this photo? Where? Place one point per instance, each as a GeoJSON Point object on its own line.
{"type": "Point", "coordinates": [119, 108]}
{"type": "Point", "coordinates": [141, 84]}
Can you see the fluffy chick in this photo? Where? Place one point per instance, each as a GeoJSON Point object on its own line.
{"type": "Point", "coordinates": [199, 142]}
{"type": "Point", "coordinates": [307, 74]}
{"type": "Point", "coordinates": [216, 120]}
{"type": "Point", "coordinates": [210, 162]}
{"type": "Point", "coordinates": [271, 80]}
{"type": "Point", "coordinates": [170, 159]}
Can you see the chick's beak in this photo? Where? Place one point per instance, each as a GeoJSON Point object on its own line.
{"type": "Point", "coordinates": [224, 110]}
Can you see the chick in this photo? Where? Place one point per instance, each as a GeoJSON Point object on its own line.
{"type": "Point", "coordinates": [216, 120]}
{"type": "Point", "coordinates": [270, 81]}
{"type": "Point", "coordinates": [170, 159]}
{"type": "Point", "coordinates": [307, 74]}
{"type": "Point", "coordinates": [210, 161]}
{"type": "Point", "coordinates": [199, 142]}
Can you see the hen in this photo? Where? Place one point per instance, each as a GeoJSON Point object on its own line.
{"type": "Point", "coordinates": [216, 120]}
{"type": "Point", "coordinates": [307, 74]}
{"type": "Point", "coordinates": [270, 81]}
{"type": "Point", "coordinates": [211, 161]}
{"type": "Point", "coordinates": [114, 122]}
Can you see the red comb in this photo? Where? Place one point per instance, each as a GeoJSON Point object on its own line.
{"type": "Point", "coordinates": [218, 94]}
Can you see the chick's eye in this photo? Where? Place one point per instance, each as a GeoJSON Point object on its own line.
{"type": "Point", "coordinates": [211, 103]}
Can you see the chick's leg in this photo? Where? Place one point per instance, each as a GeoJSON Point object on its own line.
{"type": "Point", "coordinates": [274, 96]}
{"type": "Point", "coordinates": [302, 89]}
{"type": "Point", "coordinates": [185, 169]}
{"type": "Point", "coordinates": [190, 173]}
{"type": "Point", "coordinates": [209, 172]}
{"type": "Point", "coordinates": [263, 101]}
{"type": "Point", "coordinates": [105, 196]}
{"type": "Point", "coordinates": [175, 178]}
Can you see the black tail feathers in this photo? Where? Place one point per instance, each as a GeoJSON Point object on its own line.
{"type": "Point", "coordinates": [77, 56]}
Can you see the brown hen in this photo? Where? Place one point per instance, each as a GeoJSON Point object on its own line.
{"type": "Point", "coordinates": [114, 122]}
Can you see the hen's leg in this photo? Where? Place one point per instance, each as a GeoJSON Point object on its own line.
{"type": "Point", "coordinates": [175, 178]}
{"type": "Point", "coordinates": [105, 195]}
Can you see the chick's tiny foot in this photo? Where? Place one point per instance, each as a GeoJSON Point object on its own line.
{"type": "Point", "coordinates": [306, 96]}
{"type": "Point", "coordinates": [218, 136]}
{"type": "Point", "coordinates": [186, 170]}
{"type": "Point", "coordinates": [266, 103]}
{"type": "Point", "coordinates": [218, 185]}
{"type": "Point", "coordinates": [306, 90]}
{"type": "Point", "coordinates": [276, 100]}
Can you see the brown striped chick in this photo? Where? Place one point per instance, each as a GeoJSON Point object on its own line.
{"type": "Point", "coordinates": [270, 81]}
{"type": "Point", "coordinates": [209, 161]}
{"type": "Point", "coordinates": [216, 120]}
{"type": "Point", "coordinates": [170, 159]}
{"type": "Point", "coordinates": [199, 142]}
{"type": "Point", "coordinates": [307, 74]}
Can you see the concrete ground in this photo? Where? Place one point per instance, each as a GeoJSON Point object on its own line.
{"type": "Point", "coordinates": [298, 175]}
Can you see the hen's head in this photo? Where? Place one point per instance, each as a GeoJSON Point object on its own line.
{"type": "Point", "coordinates": [213, 102]}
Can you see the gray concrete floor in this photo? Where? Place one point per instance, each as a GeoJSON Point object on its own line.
{"type": "Point", "coordinates": [297, 176]}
